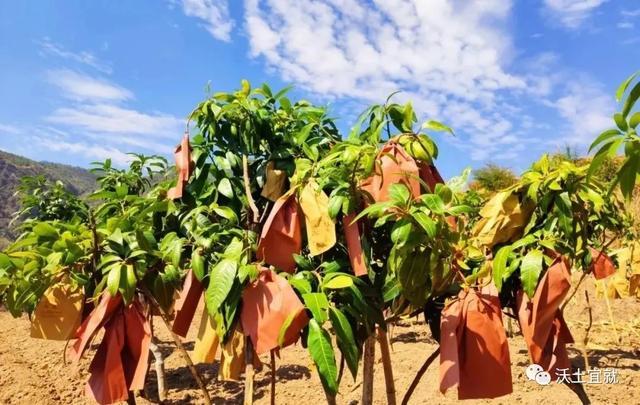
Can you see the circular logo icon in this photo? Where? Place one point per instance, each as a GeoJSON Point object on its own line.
{"type": "Point", "coordinates": [543, 378]}
{"type": "Point", "coordinates": [532, 371]}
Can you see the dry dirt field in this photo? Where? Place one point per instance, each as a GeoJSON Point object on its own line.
{"type": "Point", "coordinates": [33, 371]}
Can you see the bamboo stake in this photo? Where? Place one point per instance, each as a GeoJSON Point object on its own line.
{"type": "Point", "coordinates": [248, 371]}
{"type": "Point", "coordinates": [367, 370]}
{"type": "Point", "coordinates": [383, 341]}
{"type": "Point", "coordinates": [608, 302]}
{"type": "Point", "coordinates": [181, 349]}
{"type": "Point", "coordinates": [585, 341]}
{"type": "Point", "coordinates": [273, 378]}
{"type": "Point", "coordinates": [418, 377]}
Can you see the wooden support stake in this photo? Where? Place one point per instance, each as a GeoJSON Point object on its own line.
{"type": "Point", "coordinates": [383, 341]}
{"type": "Point", "coordinates": [273, 378]}
{"type": "Point", "coordinates": [367, 370]}
{"type": "Point", "coordinates": [248, 371]}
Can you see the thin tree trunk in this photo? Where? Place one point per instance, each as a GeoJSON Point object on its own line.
{"type": "Point", "coordinates": [416, 379]}
{"type": "Point", "coordinates": [248, 371]}
{"type": "Point", "coordinates": [383, 341]}
{"type": "Point", "coordinates": [159, 365]}
{"type": "Point", "coordinates": [367, 370]}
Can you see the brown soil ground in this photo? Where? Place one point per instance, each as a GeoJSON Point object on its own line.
{"type": "Point", "coordinates": [33, 372]}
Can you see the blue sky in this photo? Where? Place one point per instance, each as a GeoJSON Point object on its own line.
{"type": "Point", "coordinates": [83, 81]}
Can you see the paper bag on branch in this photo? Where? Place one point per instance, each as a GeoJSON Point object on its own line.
{"type": "Point", "coordinates": [474, 353]}
{"type": "Point", "coordinates": [321, 231]}
{"type": "Point", "coordinates": [267, 304]}
{"type": "Point", "coordinates": [183, 167]}
{"type": "Point", "coordinates": [59, 312]}
{"type": "Point", "coordinates": [543, 327]}
{"type": "Point", "coordinates": [281, 236]}
{"type": "Point", "coordinates": [186, 304]}
{"type": "Point", "coordinates": [275, 182]}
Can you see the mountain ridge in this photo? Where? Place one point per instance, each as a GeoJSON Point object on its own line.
{"type": "Point", "coordinates": [13, 167]}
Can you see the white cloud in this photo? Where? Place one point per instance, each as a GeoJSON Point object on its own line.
{"type": "Point", "coordinates": [213, 13]}
{"type": "Point", "coordinates": [585, 108]}
{"type": "Point", "coordinates": [450, 58]}
{"type": "Point", "coordinates": [625, 25]}
{"type": "Point", "coordinates": [98, 117]}
{"type": "Point", "coordinates": [82, 87]}
{"type": "Point", "coordinates": [572, 13]}
{"type": "Point", "coordinates": [112, 119]}
{"type": "Point", "coordinates": [9, 129]}
{"type": "Point", "coordinates": [86, 150]}
{"type": "Point", "coordinates": [47, 46]}
{"type": "Point", "coordinates": [631, 13]}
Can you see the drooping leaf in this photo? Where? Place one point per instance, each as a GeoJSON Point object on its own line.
{"type": "Point", "coordinates": [319, 344]}
{"type": "Point", "coordinates": [318, 304]}
{"type": "Point", "coordinates": [500, 266]}
{"type": "Point", "coordinates": [634, 94]}
{"type": "Point", "coordinates": [530, 270]}
{"type": "Point", "coordinates": [345, 339]}
{"type": "Point", "coordinates": [220, 283]}
{"type": "Point", "coordinates": [623, 87]}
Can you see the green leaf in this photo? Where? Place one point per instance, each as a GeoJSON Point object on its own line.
{"type": "Point", "coordinates": [634, 94]}
{"type": "Point", "coordinates": [226, 213]}
{"type": "Point", "coordinates": [301, 284]}
{"type": "Point", "coordinates": [530, 270]}
{"type": "Point", "coordinates": [634, 120]}
{"type": "Point", "coordinates": [444, 193]}
{"type": "Point", "coordinates": [399, 193]}
{"type": "Point", "coordinates": [197, 264]}
{"type": "Point", "coordinates": [620, 121]}
{"type": "Point", "coordinates": [609, 133]}
{"type": "Point", "coordinates": [500, 266]}
{"type": "Point", "coordinates": [303, 134]}
{"type": "Point", "coordinates": [434, 203]}
{"type": "Point", "coordinates": [127, 285]}
{"type": "Point", "coordinates": [113, 279]}
{"type": "Point", "coordinates": [220, 283]}
{"type": "Point", "coordinates": [606, 150]}
{"type": "Point", "coordinates": [45, 230]}
{"type": "Point", "coordinates": [426, 223]}
{"type": "Point", "coordinates": [345, 339]}
{"type": "Point", "coordinates": [563, 203]}
{"type": "Point", "coordinates": [335, 204]}
{"type": "Point", "coordinates": [319, 344]}
{"type": "Point", "coordinates": [225, 188]}
{"type": "Point", "coordinates": [122, 190]}
{"type": "Point", "coordinates": [437, 126]}
{"type": "Point", "coordinates": [627, 175]}
{"type": "Point", "coordinates": [338, 282]}
{"type": "Point", "coordinates": [401, 231]}
{"type": "Point", "coordinates": [407, 117]}
{"type": "Point", "coordinates": [318, 305]}
{"type": "Point", "coordinates": [623, 87]}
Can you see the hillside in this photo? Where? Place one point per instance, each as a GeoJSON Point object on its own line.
{"type": "Point", "coordinates": [13, 167]}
